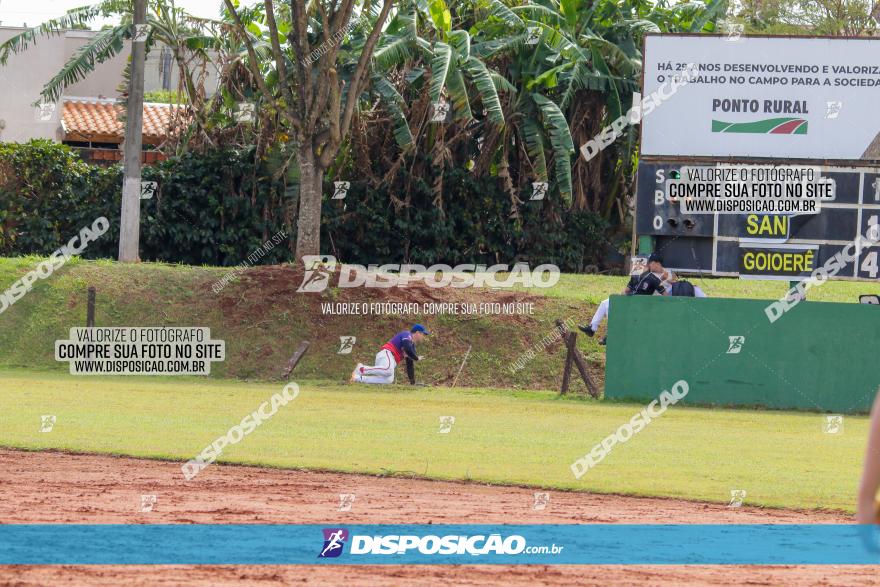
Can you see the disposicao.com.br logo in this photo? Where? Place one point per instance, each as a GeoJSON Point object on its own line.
{"type": "Point", "coordinates": [451, 544]}
{"type": "Point", "coordinates": [319, 270]}
{"type": "Point", "coordinates": [334, 541]}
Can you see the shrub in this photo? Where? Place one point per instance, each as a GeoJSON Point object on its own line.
{"type": "Point", "coordinates": [217, 208]}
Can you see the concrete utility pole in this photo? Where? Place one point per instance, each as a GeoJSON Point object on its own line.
{"type": "Point", "coordinates": [130, 220]}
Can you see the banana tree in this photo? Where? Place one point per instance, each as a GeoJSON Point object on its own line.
{"type": "Point", "coordinates": [424, 57]}
{"type": "Point", "coordinates": [185, 35]}
{"type": "Point", "coordinates": [585, 61]}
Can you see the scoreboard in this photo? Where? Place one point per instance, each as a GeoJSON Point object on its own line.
{"type": "Point", "coordinates": [790, 104]}
{"type": "Point", "coordinates": [765, 246]}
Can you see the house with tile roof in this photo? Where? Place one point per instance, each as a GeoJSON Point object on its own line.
{"type": "Point", "coordinates": [97, 127]}
{"type": "Point", "coordinates": [88, 116]}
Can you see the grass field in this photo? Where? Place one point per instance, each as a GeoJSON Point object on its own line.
{"type": "Point", "coordinates": [509, 428]}
{"type": "Point", "coordinates": [499, 436]}
{"type": "Point", "coordinates": [262, 319]}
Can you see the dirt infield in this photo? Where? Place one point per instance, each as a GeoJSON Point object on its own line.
{"type": "Point", "coordinates": [47, 487]}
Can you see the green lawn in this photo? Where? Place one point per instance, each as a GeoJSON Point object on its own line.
{"type": "Point", "coordinates": [262, 318]}
{"type": "Point", "coordinates": [499, 436]}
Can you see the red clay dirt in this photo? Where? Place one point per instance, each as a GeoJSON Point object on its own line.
{"type": "Point", "coordinates": [280, 282]}
{"type": "Point", "coordinates": [52, 487]}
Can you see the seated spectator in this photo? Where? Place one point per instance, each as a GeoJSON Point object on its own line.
{"type": "Point", "coordinates": [646, 284]}
{"type": "Point", "coordinates": [685, 289]}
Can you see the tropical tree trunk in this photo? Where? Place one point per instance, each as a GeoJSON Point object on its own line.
{"type": "Point", "coordinates": [308, 228]}
{"type": "Point", "coordinates": [313, 101]}
{"type": "Point", "coordinates": [587, 116]}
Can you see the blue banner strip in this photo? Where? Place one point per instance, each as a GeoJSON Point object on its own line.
{"type": "Point", "coordinates": [594, 544]}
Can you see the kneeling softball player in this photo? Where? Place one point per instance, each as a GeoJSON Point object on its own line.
{"type": "Point", "coordinates": [401, 346]}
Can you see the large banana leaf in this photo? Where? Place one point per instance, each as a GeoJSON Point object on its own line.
{"type": "Point", "coordinates": [399, 43]}
{"type": "Point", "coordinates": [501, 83]}
{"type": "Point", "coordinates": [570, 10]}
{"type": "Point", "coordinates": [458, 93]}
{"type": "Point", "coordinates": [500, 10]}
{"type": "Point", "coordinates": [103, 46]}
{"type": "Point", "coordinates": [714, 10]}
{"type": "Point", "coordinates": [440, 64]}
{"type": "Point", "coordinates": [612, 98]}
{"type": "Point", "coordinates": [535, 146]}
{"type": "Point", "coordinates": [394, 104]}
{"type": "Point", "coordinates": [541, 14]}
{"type": "Point", "coordinates": [560, 140]}
{"type": "Point", "coordinates": [461, 42]}
{"type": "Point", "coordinates": [395, 52]}
{"type": "Point", "coordinates": [440, 16]}
{"type": "Point", "coordinates": [498, 47]}
{"type": "Point", "coordinates": [482, 80]}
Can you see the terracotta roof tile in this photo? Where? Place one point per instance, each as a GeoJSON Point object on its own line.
{"type": "Point", "coordinates": [103, 118]}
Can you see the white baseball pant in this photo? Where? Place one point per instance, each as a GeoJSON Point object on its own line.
{"type": "Point", "coordinates": [381, 372]}
{"type": "Point", "coordinates": [600, 314]}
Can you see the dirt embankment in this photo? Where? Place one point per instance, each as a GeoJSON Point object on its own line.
{"type": "Point", "coordinates": [266, 300]}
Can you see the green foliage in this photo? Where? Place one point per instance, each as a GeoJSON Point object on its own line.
{"type": "Point", "coordinates": [474, 226]}
{"type": "Point", "coordinates": [218, 207]}
{"type": "Point", "coordinates": [47, 194]}
{"type": "Point", "coordinates": [439, 69]}
{"type": "Point", "coordinates": [213, 208]}
{"type": "Point", "coordinates": [519, 109]}
{"type": "Point", "coordinates": [165, 97]}
{"type": "Point", "coordinates": [209, 209]}
{"type": "Point", "coordinates": [801, 17]}
{"type": "Point", "coordinates": [548, 74]}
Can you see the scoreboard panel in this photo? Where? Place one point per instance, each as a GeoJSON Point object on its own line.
{"type": "Point", "coordinates": [765, 246]}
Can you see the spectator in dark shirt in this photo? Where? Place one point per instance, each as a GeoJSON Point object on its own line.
{"type": "Point", "coordinates": [646, 284]}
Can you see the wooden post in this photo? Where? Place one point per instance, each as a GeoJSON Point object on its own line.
{"type": "Point", "coordinates": [294, 360]}
{"type": "Point", "coordinates": [573, 355]}
{"type": "Point", "coordinates": [460, 367]}
{"type": "Point", "coordinates": [570, 340]}
{"type": "Point", "coordinates": [90, 308]}
{"type": "Point", "coordinates": [582, 369]}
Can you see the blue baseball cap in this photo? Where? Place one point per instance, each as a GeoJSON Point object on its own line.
{"type": "Point", "coordinates": [420, 328]}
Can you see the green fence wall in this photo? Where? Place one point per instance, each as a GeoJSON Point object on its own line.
{"type": "Point", "coordinates": [818, 356]}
